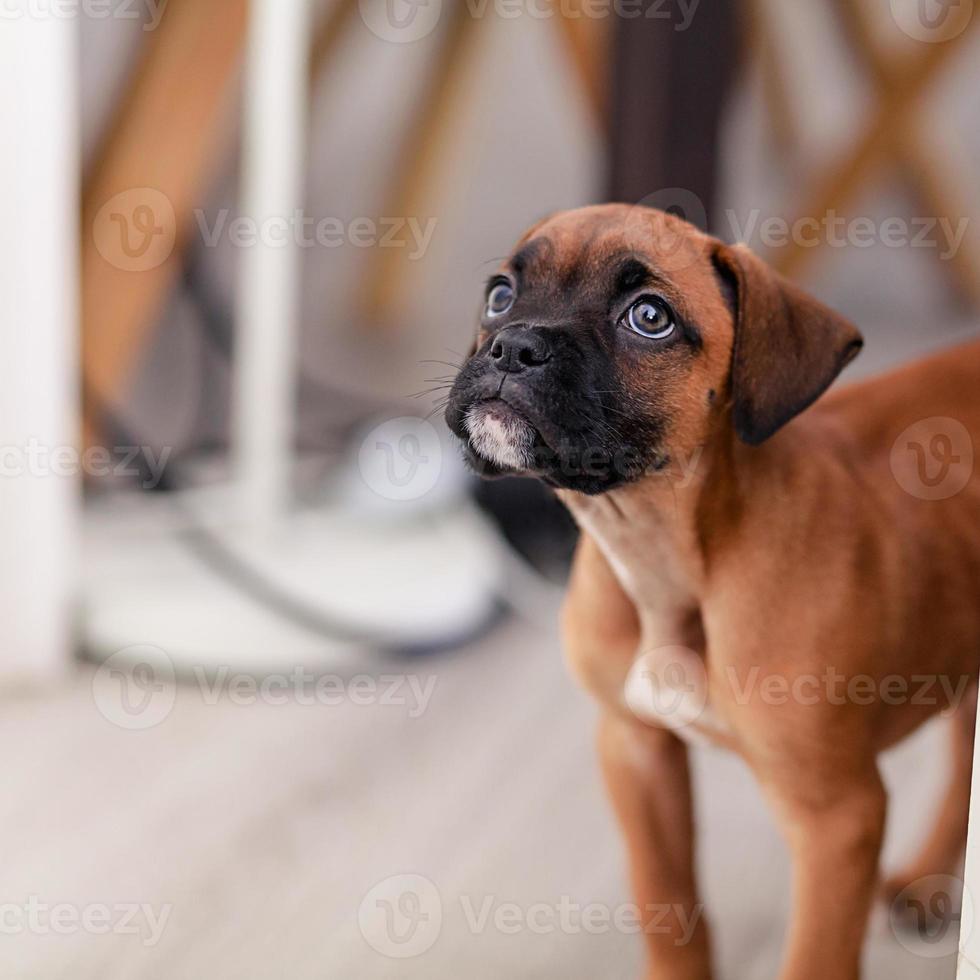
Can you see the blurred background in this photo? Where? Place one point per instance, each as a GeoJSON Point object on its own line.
{"type": "Point", "coordinates": [283, 691]}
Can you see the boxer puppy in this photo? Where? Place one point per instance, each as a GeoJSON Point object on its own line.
{"type": "Point", "coordinates": [770, 576]}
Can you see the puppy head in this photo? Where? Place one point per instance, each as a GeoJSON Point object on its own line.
{"type": "Point", "coordinates": [615, 339]}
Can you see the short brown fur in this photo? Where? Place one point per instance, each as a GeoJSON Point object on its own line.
{"type": "Point", "coordinates": [789, 556]}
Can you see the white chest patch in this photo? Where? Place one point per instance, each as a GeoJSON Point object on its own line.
{"type": "Point", "coordinates": [668, 687]}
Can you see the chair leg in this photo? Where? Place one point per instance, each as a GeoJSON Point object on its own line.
{"type": "Point", "coordinates": [899, 90]}
{"type": "Point", "coordinates": [329, 34]}
{"type": "Point", "coordinates": [166, 137]}
{"type": "Point", "coordinates": [840, 182]}
{"type": "Point", "coordinates": [934, 186]}
{"type": "Point", "coordinates": [764, 50]}
{"type": "Point", "coordinates": [586, 41]}
{"type": "Point", "coordinates": [427, 138]}
{"type": "Point", "coordinates": [667, 102]}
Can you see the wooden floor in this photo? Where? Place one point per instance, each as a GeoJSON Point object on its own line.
{"type": "Point", "coordinates": [263, 827]}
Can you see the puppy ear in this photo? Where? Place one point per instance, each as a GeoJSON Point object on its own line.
{"type": "Point", "coordinates": [788, 346]}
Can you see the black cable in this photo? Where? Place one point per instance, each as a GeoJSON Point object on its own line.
{"type": "Point", "coordinates": [210, 549]}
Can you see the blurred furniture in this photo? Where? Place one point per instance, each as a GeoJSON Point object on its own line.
{"type": "Point", "coordinates": [666, 102]}
{"type": "Point", "coordinates": [167, 136]}
{"type": "Point", "coordinates": [240, 574]}
{"type": "Point", "coordinates": [429, 129]}
{"type": "Point", "coordinates": [170, 134]}
{"type": "Point", "coordinates": [267, 321]}
{"type": "Point", "coordinates": [173, 128]}
{"type": "Point", "coordinates": [39, 465]}
{"type": "Point", "coordinates": [892, 135]}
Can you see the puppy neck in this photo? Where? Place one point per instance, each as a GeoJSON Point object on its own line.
{"type": "Point", "coordinates": [650, 533]}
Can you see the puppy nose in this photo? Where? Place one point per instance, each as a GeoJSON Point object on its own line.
{"type": "Point", "coordinates": [516, 349]}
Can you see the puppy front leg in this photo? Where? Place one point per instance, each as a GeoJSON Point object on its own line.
{"type": "Point", "coordinates": [834, 833]}
{"type": "Point", "coordinates": [942, 853]}
{"type": "Point", "coordinates": [646, 772]}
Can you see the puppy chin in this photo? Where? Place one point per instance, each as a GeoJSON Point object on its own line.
{"type": "Point", "coordinates": [500, 436]}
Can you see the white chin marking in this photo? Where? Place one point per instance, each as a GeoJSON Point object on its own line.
{"type": "Point", "coordinates": [505, 441]}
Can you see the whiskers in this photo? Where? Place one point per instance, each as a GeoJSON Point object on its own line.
{"type": "Point", "coordinates": [449, 364]}
{"type": "Point", "coordinates": [439, 406]}
{"type": "Point", "coordinates": [441, 383]}
{"type": "Point", "coordinates": [441, 402]}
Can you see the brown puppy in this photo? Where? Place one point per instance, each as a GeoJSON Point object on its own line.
{"type": "Point", "coordinates": [784, 584]}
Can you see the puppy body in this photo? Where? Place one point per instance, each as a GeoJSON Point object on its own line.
{"type": "Point", "coordinates": [809, 535]}
{"type": "Point", "coordinates": [802, 590]}
{"type": "Point", "coordinates": [782, 562]}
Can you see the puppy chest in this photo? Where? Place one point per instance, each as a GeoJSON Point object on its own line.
{"type": "Point", "coordinates": [649, 560]}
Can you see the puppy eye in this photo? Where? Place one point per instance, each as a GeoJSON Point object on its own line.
{"type": "Point", "coordinates": [500, 299]}
{"type": "Point", "coordinates": [651, 317]}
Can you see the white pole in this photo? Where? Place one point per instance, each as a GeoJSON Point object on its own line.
{"type": "Point", "coordinates": [275, 121]}
{"type": "Point", "coordinates": [39, 480]}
